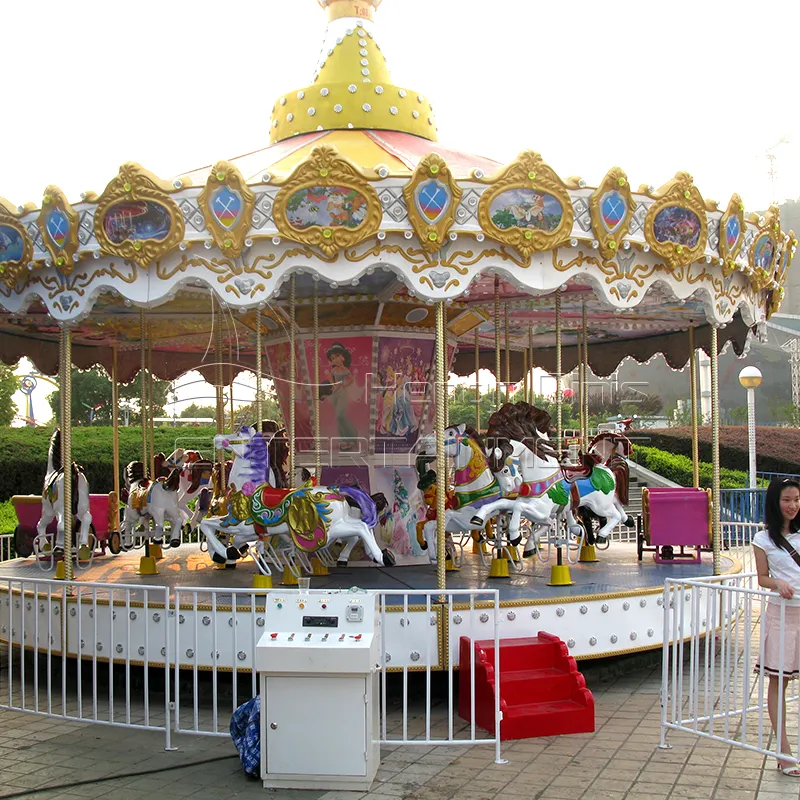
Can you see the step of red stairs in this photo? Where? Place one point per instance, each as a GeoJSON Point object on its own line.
{"type": "Point", "coordinates": [541, 691]}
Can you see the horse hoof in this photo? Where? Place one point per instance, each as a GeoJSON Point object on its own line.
{"type": "Point", "coordinates": [516, 541]}
{"type": "Point", "coordinates": [174, 542]}
{"type": "Point", "coordinates": [218, 559]}
{"type": "Point", "coordinates": [476, 520]}
{"type": "Point", "coordinates": [233, 554]}
{"type": "Point", "coordinates": [424, 545]}
{"type": "Point", "coordinates": [159, 542]}
{"type": "Point", "coordinates": [58, 551]}
{"type": "Point", "coordinates": [630, 522]}
{"type": "Point", "coordinates": [388, 558]}
{"type": "Point", "coordinates": [341, 563]}
{"type": "Point", "coordinates": [528, 553]}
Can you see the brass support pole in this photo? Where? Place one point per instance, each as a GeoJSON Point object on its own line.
{"type": "Point", "coordinates": [693, 391]}
{"type": "Point", "coordinates": [292, 376]}
{"type": "Point", "coordinates": [219, 380]}
{"type": "Point", "coordinates": [497, 339]}
{"type": "Point", "coordinates": [585, 405]}
{"type": "Point", "coordinates": [531, 363]}
{"type": "Point", "coordinates": [508, 354]}
{"type": "Point", "coordinates": [715, 537]}
{"type": "Point", "coordinates": [115, 419]}
{"type": "Point", "coordinates": [477, 383]}
{"type": "Point", "coordinates": [317, 427]}
{"type": "Point", "coordinates": [558, 373]}
{"type": "Point", "coordinates": [259, 371]}
{"type": "Point", "coordinates": [525, 374]}
{"type": "Point", "coordinates": [150, 416]}
{"type": "Point", "coordinates": [441, 464]}
{"type": "Point", "coordinates": [579, 346]}
{"type": "Point", "coordinates": [143, 378]}
{"type": "Point", "coordinates": [230, 373]}
{"type": "Point", "coordinates": [65, 390]}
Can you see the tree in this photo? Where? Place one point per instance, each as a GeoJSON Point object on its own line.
{"type": "Point", "coordinates": [196, 411]}
{"type": "Point", "coordinates": [8, 385]}
{"type": "Point", "coordinates": [270, 409]}
{"type": "Point", "coordinates": [91, 397]}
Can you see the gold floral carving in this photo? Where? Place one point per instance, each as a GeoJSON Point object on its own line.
{"type": "Point", "coordinates": [529, 172]}
{"type": "Point", "coordinates": [735, 209]}
{"type": "Point", "coordinates": [11, 270]}
{"type": "Point", "coordinates": [681, 192]}
{"type": "Point", "coordinates": [134, 183]}
{"type": "Point", "coordinates": [326, 168]}
{"type": "Point", "coordinates": [769, 227]}
{"type": "Point", "coordinates": [229, 240]}
{"type": "Point", "coordinates": [55, 200]}
{"type": "Point", "coordinates": [432, 232]}
{"type": "Point", "coordinates": [615, 181]}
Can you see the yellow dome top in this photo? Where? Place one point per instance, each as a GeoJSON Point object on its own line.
{"type": "Point", "coordinates": [352, 87]}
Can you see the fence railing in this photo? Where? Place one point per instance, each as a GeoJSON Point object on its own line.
{"type": "Point", "coordinates": [709, 686]}
{"type": "Point", "coordinates": [6, 546]}
{"type": "Point", "coordinates": [134, 656]}
{"type": "Point", "coordinates": [742, 505]}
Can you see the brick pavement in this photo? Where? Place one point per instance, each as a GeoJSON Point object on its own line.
{"type": "Point", "coordinates": [49, 758]}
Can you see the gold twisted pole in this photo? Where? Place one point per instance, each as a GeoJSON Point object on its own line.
{"type": "Point", "coordinates": [150, 416]}
{"type": "Point", "coordinates": [143, 378]}
{"type": "Point", "coordinates": [693, 392]}
{"type": "Point", "coordinates": [115, 423]}
{"type": "Point", "coordinates": [525, 374]}
{"type": "Point", "coordinates": [219, 379]}
{"type": "Point", "coordinates": [317, 437]}
{"type": "Point", "coordinates": [558, 373]}
{"type": "Point", "coordinates": [579, 348]}
{"type": "Point", "coordinates": [259, 372]}
{"type": "Point", "coordinates": [65, 386]}
{"type": "Point", "coordinates": [292, 376]}
{"type": "Point", "coordinates": [715, 533]}
{"type": "Point", "coordinates": [441, 465]}
{"type": "Point", "coordinates": [477, 383]}
{"type": "Point", "coordinates": [508, 353]}
{"type": "Point", "coordinates": [497, 339]}
{"type": "Point", "coordinates": [531, 363]}
{"type": "Point", "coordinates": [585, 399]}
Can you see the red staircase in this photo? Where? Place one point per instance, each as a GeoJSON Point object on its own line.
{"type": "Point", "coordinates": [541, 691]}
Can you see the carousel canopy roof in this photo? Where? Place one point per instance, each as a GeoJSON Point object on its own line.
{"type": "Point", "coordinates": [355, 200]}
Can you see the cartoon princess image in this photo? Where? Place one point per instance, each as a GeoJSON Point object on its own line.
{"type": "Point", "coordinates": [337, 387]}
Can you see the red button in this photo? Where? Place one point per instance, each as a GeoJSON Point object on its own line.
{"type": "Point", "coordinates": [324, 605]}
{"type": "Point", "coordinates": [357, 637]}
{"type": "Point", "coordinates": [273, 636]}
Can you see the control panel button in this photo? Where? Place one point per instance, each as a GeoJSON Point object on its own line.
{"type": "Point", "coordinates": [291, 637]}
{"type": "Point", "coordinates": [341, 638]}
{"type": "Point", "coordinates": [273, 636]}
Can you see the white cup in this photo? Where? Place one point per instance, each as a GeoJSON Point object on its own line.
{"type": "Point", "coordinates": [304, 584]}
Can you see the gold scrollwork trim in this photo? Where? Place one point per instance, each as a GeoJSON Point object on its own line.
{"type": "Point", "coordinates": [230, 241]}
{"type": "Point", "coordinates": [432, 233]}
{"type": "Point", "coordinates": [326, 168]}
{"type": "Point", "coordinates": [528, 171]}
{"type": "Point", "coordinates": [681, 192]}
{"type": "Point", "coordinates": [615, 181]}
{"type": "Point", "coordinates": [735, 209]}
{"type": "Point", "coordinates": [136, 183]}
{"type": "Point", "coordinates": [55, 200]}
{"type": "Point", "coordinates": [10, 270]}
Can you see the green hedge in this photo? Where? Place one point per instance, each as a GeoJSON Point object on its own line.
{"type": "Point", "coordinates": [23, 454]}
{"type": "Point", "coordinates": [679, 469]}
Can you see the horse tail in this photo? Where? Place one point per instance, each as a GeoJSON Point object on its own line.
{"type": "Point", "coordinates": [159, 459]}
{"type": "Point", "coordinates": [619, 466]}
{"type": "Point", "coordinates": [134, 472]}
{"type": "Point", "coordinates": [574, 497]}
{"type": "Point", "coordinates": [173, 481]}
{"type": "Point", "coordinates": [381, 503]}
{"type": "Point", "coordinates": [365, 503]}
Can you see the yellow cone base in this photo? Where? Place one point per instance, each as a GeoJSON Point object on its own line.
{"type": "Point", "coordinates": [60, 570]}
{"type": "Point", "coordinates": [499, 568]}
{"type": "Point", "coordinates": [479, 547]}
{"type": "Point", "coordinates": [262, 581]}
{"type": "Point", "coordinates": [559, 576]}
{"type": "Point", "coordinates": [318, 568]}
{"type": "Point", "coordinates": [450, 565]}
{"type": "Point", "coordinates": [84, 553]}
{"type": "Point", "coordinates": [289, 578]}
{"type": "Point", "coordinates": [513, 553]}
{"type": "Point", "coordinates": [155, 551]}
{"type": "Point", "coordinates": [588, 554]}
{"type": "Point", "coordinates": [147, 566]}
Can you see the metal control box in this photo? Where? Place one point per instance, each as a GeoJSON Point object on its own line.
{"type": "Point", "coordinates": [318, 665]}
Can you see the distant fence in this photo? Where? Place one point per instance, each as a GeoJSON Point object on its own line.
{"type": "Point", "coordinates": [742, 505]}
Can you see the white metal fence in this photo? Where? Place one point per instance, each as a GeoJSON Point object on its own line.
{"type": "Point", "coordinates": [6, 543]}
{"type": "Point", "coordinates": [134, 656]}
{"type": "Point", "coordinates": [711, 684]}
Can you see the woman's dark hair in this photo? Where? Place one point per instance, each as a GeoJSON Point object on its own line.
{"type": "Point", "coordinates": [338, 349]}
{"type": "Point", "coordinates": [773, 518]}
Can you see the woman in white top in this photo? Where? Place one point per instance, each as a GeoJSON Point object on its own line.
{"type": "Point", "coordinates": [778, 570]}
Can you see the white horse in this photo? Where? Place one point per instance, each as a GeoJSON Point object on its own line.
{"type": "Point", "coordinates": [53, 498]}
{"type": "Point", "coordinates": [548, 490]}
{"type": "Point", "coordinates": [474, 484]}
{"type": "Point", "coordinates": [151, 500]}
{"type": "Point", "coordinates": [311, 517]}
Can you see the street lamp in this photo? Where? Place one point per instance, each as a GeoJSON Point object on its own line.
{"type": "Point", "coordinates": [750, 378]}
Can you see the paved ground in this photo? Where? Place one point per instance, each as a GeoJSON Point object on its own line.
{"type": "Point", "coordinates": [47, 758]}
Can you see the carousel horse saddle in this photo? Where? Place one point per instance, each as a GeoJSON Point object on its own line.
{"type": "Point", "coordinates": [583, 470]}
{"type": "Point", "coordinates": [139, 495]}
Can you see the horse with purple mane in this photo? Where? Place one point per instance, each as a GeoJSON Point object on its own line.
{"type": "Point", "coordinates": [308, 519]}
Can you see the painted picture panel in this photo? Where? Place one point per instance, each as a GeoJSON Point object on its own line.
{"type": "Point", "coordinates": [326, 207]}
{"type": "Point", "coordinates": [278, 355]}
{"type": "Point", "coordinates": [12, 246]}
{"type": "Point", "coordinates": [399, 392]}
{"type": "Point", "coordinates": [226, 206]}
{"type": "Point", "coordinates": [136, 220]}
{"type": "Point", "coordinates": [526, 208]}
{"type": "Point", "coordinates": [763, 252]}
{"type": "Point", "coordinates": [344, 411]}
{"type": "Point", "coordinates": [677, 225]}
{"type": "Point", "coordinates": [399, 531]}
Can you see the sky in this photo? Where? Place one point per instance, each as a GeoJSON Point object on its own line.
{"type": "Point", "coordinates": [701, 86]}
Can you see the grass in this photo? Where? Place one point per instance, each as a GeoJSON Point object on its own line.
{"type": "Point", "coordinates": [8, 517]}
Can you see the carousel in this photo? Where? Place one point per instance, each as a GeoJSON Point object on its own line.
{"type": "Point", "coordinates": [355, 262]}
